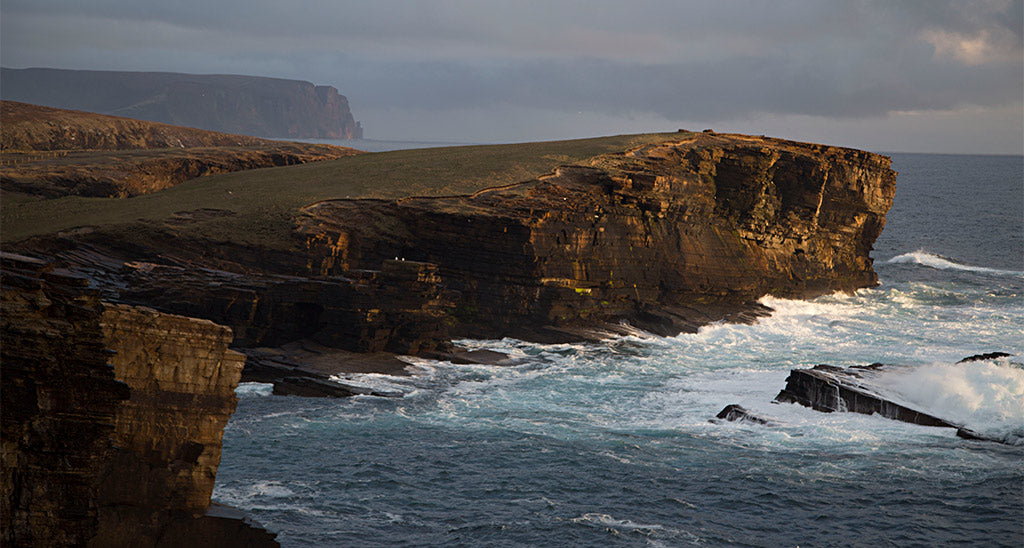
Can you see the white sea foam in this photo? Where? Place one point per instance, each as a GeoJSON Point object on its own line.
{"type": "Point", "coordinates": [985, 396]}
{"type": "Point", "coordinates": [932, 260]}
{"type": "Point", "coordinates": [604, 520]}
{"type": "Point", "coordinates": [653, 531]}
{"type": "Point", "coordinates": [248, 389]}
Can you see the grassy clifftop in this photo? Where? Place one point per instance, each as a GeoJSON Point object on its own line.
{"type": "Point", "coordinates": [259, 206]}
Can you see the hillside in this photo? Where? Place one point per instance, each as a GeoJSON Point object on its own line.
{"type": "Point", "coordinates": [54, 152]}
{"type": "Point", "coordinates": [249, 105]}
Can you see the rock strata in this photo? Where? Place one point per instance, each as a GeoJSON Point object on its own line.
{"type": "Point", "coordinates": [667, 237]}
{"type": "Point", "coordinates": [113, 417]}
{"type": "Point", "coordinates": [60, 401]}
{"type": "Point", "coordinates": [664, 237]}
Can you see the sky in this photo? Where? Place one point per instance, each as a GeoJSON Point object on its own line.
{"type": "Point", "coordinates": [886, 75]}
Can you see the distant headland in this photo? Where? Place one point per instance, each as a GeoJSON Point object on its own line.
{"type": "Point", "coordinates": [247, 105]}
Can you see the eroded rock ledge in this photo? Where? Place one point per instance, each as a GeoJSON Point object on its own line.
{"type": "Point", "coordinates": [113, 418]}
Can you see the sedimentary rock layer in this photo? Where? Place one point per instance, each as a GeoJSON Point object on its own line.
{"type": "Point", "coordinates": [667, 237]}
{"type": "Point", "coordinates": [112, 418]}
{"type": "Point", "coordinates": [250, 105]}
{"type": "Point", "coordinates": [60, 401]}
{"type": "Point", "coordinates": [399, 307]}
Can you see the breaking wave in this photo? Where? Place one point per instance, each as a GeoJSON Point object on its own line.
{"type": "Point", "coordinates": [932, 260]}
{"type": "Point", "coordinates": [984, 396]}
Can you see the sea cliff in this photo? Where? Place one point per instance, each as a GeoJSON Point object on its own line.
{"type": "Point", "coordinates": [250, 105]}
{"type": "Point", "coordinates": [117, 385]}
{"type": "Point", "coordinates": [113, 418]}
{"type": "Point", "coordinates": [665, 235]}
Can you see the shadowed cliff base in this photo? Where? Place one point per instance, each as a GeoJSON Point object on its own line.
{"type": "Point", "coordinates": [556, 241]}
{"type": "Point", "coordinates": [51, 152]}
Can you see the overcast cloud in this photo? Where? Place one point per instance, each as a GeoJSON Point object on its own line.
{"type": "Point", "coordinates": [893, 76]}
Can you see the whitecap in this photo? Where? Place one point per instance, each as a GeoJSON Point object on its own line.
{"type": "Point", "coordinates": [249, 389]}
{"type": "Point", "coordinates": [985, 396]}
{"type": "Point", "coordinates": [932, 260]}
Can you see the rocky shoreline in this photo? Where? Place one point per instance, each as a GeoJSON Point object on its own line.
{"type": "Point", "coordinates": [664, 237]}
{"type": "Point", "coordinates": [113, 418]}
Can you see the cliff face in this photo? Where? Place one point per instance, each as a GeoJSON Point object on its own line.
{"type": "Point", "coordinates": [168, 433]}
{"type": "Point", "coordinates": [667, 237]}
{"type": "Point", "coordinates": [249, 105]}
{"type": "Point", "coordinates": [113, 417]}
{"type": "Point", "coordinates": [399, 307]}
{"type": "Point", "coordinates": [60, 400]}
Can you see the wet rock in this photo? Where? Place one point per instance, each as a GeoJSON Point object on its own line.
{"type": "Point", "coordinates": [828, 389]}
{"type": "Point", "coordinates": [738, 413]}
{"type": "Point", "coordinates": [983, 357]}
{"type": "Point", "coordinates": [461, 356]}
{"type": "Point", "coordinates": [306, 369]}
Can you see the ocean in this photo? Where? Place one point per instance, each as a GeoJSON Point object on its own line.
{"type": "Point", "coordinates": [610, 444]}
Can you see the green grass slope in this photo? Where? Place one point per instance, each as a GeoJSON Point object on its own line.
{"type": "Point", "coordinates": [266, 201]}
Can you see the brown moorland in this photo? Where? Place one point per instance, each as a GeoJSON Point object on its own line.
{"type": "Point", "coordinates": [54, 152]}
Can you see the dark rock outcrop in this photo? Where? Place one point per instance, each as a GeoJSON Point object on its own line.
{"type": "Point", "coordinates": [667, 237]}
{"type": "Point", "coordinates": [738, 413]}
{"type": "Point", "coordinates": [60, 400]}
{"type": "Point", "coordinates": [249, 105]}
{"type": "Point", "coordinates": [828, 388]}
{"type": "Point", "coordinates": [986, 356]}
{"type": "Point", "coordinates": [400, 307]}
{"type": "Point", "coordinates": [112, 418]}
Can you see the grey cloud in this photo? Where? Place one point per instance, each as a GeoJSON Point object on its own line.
{"type": "Point", "coordinates": [712, 61]}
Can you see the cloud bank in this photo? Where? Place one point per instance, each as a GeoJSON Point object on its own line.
{"type": "Point", "coordinates": [500, 71]}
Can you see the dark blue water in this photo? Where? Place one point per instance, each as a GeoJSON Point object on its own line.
{"type": "Point", "coordinates": [609, 444]}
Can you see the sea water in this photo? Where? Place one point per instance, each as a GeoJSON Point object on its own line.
{"type": "Point", "coordinates": [611, 444]}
